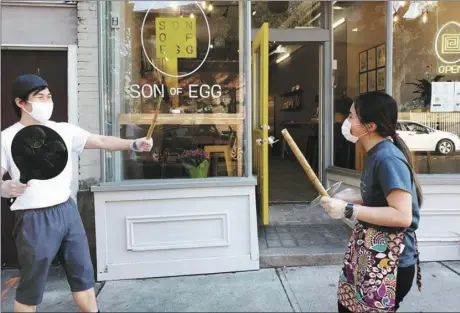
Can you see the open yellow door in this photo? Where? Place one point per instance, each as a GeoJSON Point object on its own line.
{"type": "Point", "coordinates": [260, 118]}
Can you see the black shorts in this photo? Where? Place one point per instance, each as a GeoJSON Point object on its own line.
{"type": "Point", "coordinates": [40, 234]}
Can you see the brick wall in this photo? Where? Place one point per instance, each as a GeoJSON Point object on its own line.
{"type": "Point", "coordinates": [88, 89]}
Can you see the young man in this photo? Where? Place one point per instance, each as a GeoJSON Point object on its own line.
{"type": "Point", "coordinates": [46, 218]}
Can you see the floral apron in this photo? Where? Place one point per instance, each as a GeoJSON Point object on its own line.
{"type": "Point", "coordinates": [368, 279]}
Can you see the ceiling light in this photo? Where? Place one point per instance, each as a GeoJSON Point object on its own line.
{"type": "Point", "coordinates": [210, 7]}
{"type": "Point", "coordinates": [203, 4]}
{"type": "Point", "coordinates": [425, 17]}
{"type": "Point", "coordinates": [282, 58]}
{"type": "Point", "coordinates": [354, 30]}
{"type": "Point", "coordinates": [279, 49]}
{"type": "Point", "coordinates": [338, 23]}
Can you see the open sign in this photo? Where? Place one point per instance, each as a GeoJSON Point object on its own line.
{"type": "Point", "coordinates": [176, 37]}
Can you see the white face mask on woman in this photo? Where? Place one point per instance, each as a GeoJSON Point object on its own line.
{"type": "Point", "coordinates": [346, 131]}
{"type": "Point", "coordinates": [41, 111]}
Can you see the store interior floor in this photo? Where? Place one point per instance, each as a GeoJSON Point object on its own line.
{"type": "Point", "coordinates": [288, 182]}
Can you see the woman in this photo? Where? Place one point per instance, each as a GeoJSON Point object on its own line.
{"type": "Point", "coordinates": [382, 254]}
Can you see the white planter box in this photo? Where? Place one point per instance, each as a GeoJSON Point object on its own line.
{"type": "Point", "coordinates": [439, 215]}
{"type": "Point", "coordinates": [175, 227]}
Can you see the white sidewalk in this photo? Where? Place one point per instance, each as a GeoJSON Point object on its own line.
{"type": "Point", "coordinates": [302, 289]}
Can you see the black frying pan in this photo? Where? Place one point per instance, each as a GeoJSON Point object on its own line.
{"type": "Point", "coordinates": [39, 152]}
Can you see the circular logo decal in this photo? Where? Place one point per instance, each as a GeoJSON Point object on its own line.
{"type": "Point", "coordinates": [150, 60]}
{"type": "Point", "coordinates": [447, 43]}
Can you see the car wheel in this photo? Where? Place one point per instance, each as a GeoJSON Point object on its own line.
{"type": "Point", "coordinates": [445, 147]}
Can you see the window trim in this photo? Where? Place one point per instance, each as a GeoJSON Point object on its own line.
{"type": "Point", "coordinates": [111, 162]}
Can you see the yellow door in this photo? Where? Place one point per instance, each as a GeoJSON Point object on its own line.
{"type": "Point", "coordinates": [260, 118]}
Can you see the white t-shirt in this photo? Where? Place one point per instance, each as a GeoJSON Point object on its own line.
{"type": "Point", "coordinates": [44, 193]}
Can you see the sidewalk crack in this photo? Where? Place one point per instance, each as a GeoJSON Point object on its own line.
{"type": "Point", "coordinates": [98, 291]}
{"type": "Point", "coordinates": [450, 268]}
{"type": "Point", "coordinates": [294, 302]}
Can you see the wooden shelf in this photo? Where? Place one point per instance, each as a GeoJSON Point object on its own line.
{"type": "Point", "coordinates": [181, 118]}
{"type": "Point", "coordinates": [236, 119]}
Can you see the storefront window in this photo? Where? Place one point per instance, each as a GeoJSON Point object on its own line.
{"type": "Point", "coordinates": [287, 14]}
{"type": "Point", "coordinates": [184, 61]}
{"type": "Point", "coordinates": [426, 82]}
{"type": "Point", "coordinates": [359, 59]}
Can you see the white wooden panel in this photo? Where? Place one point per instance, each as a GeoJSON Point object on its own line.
{"type": "Point", "coordinates": [179, 268]}
{"type": "Point", "coordinates": [177, 232]}
{"type": "Point", "coordinates": [153, 233]}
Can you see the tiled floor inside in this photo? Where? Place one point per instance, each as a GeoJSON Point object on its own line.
{"type": "Point", "coordinates": [288, 181]}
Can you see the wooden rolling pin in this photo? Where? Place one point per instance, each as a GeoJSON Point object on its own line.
{"type": "Point", "coordinates": [154, 121]}
{"type": "Point", "coordinates": [301, 158]}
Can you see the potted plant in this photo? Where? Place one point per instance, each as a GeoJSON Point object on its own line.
{"type": "Point", "coordinates": [423, 90]}
{"type": "Point", "coordinates": [195, 162]}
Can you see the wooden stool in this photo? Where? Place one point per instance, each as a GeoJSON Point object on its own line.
{"type": "Point", "coordinates": [227, 151]}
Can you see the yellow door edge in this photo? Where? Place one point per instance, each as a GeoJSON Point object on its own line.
{"type": "Point", "coordinates": [260, 49]}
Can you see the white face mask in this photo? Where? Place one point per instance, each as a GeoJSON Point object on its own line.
{"type": "Point", "coordinates": [346, 131]}
{"type": "Point", "coordinates": [41, 111]}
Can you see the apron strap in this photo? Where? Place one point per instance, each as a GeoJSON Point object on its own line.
{"type": "Point", "coordinates": [419, 272]}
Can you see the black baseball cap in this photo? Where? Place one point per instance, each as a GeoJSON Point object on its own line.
{"type": "Point", "coordinates": [24, 84]}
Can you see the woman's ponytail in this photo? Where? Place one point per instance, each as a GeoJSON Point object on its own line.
{"type": "Point", "coordinates": [401, 145]}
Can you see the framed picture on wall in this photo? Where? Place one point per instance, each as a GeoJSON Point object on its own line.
{"type": "Point", "coordinates": [363, 61]}
{"type": "Point", "coordinates": [362, 83]}
{"type": "Point", "coordinates": [381, 55]}
{"type": "Point", "coordinates": [381, 79]}
{"type": "Point", "coordinates": [371, 61]}
{"type": "Point", "coordinates": [371, 81]}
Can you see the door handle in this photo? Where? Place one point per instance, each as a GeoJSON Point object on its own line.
{"type": "Point", "coordinates": [270, 140]}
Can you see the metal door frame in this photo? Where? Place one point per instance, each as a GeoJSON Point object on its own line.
{"type": "Point", "coordinates": [326, 108]}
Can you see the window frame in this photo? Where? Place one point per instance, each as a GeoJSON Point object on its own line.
{"type": "Point", "coordinates": [111, 162]}
{"type": "Point", "coordinates": [424, 177]}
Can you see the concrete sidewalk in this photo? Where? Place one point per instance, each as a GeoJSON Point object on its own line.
{"type": "Point", "coordinates": [301, 289]}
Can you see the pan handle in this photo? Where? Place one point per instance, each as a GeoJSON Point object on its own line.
{"type": "Point", "coordinates": [22, 181]}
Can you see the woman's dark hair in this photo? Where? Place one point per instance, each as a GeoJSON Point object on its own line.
{"type": "Point", "coordinates": [381, 109]}
{"type": "Point", "coordinates": [24, 98]}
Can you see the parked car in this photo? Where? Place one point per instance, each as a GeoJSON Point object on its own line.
{"type": "Point", "coordinates": [419, 137]}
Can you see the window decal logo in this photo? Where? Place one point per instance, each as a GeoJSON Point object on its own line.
{"type": "Point", "coordinates": [175, 38]}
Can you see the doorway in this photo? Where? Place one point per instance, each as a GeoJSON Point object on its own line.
{"type": "Point", "coordinates": [52, 66]}
{"type": "Point", "coordinates": [289, 92]}
{"type": "Point", "coordinates": [294, 94]}
{"type": "Point", "coordinates": [278, 101]}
